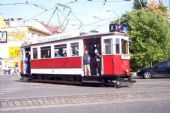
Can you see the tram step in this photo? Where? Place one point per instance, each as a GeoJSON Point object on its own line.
{"type": "Point", "coordinates": [90, 79]}
{"type": "Point", "coordinates": [94, 82]}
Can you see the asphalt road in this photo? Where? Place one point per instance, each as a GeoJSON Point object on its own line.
{"type": "Point", "coordinates": [145, 96]}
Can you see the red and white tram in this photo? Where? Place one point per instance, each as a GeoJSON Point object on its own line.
{"type": "Point", "coordinates": [60, 58]}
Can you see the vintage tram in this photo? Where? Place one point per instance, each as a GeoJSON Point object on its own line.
{"type": "Point", "coordinates": [60, 58]}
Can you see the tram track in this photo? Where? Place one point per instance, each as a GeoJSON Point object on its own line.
{"type": "Point", "coordinates": [13, 103]}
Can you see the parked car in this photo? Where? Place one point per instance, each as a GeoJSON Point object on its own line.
{"type": "Point", "coordinates": [162, 69]}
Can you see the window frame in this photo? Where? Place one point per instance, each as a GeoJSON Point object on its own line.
{"type": "Point", "coordinates": [117, 45]}
{"type": "Point", "coordinates": [111, 46]}
{"type": "Point", "coordinates": [71, 51]}
{"type": "Point", "coordinates": [65, 45]}
{"type": "Point", "coordinates": [33, 53]}
{"type": "Point", "coordinates": [126, 46]}
{"type": "Point", "coordinates": [41, 56]}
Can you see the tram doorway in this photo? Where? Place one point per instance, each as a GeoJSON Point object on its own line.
{"type": "Point", "coordinates": [27, 60]}
{"type": "Point", "coordinates": [93, 46]}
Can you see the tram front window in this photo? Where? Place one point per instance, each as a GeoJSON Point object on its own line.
{"type": "Point", "coordinates": [108, 46]}
{"type": "Point", "coordinates": [124, 46]}
{"type": "Point", "coordinates": [117, 46]}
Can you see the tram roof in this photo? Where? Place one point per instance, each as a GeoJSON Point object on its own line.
{"type": "Point", "coordinates": [80, 36]}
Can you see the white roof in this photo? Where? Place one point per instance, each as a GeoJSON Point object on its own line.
{"type": "Point", "coordinates": [37, 25]}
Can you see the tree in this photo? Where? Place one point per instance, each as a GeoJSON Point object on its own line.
{"type": "Point", "coordinates": [153, 5]}
{"type": "Point", "coordinates": [139, 4]}
{"type": "Point", "coordinates": [168, 46]}
{"type": "Point", "coordinates": [149, 32]}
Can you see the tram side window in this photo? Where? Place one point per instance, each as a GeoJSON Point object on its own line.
{"type": "Point", "coordinates": [35, 53]}
{"type": "Point", "coordinates": [75, 49]}
{"type": "Point", "coordinates": [60, 50]}
{"type": "Point", "coordinates": [46, 52]}
{"type": "Point", "coordinates": [117, 46]}
{"type": "Point", "coordinates": [108, 46]}
{"type": "Point", "coordinates": [124, 46]}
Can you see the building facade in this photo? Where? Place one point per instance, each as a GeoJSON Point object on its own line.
{"type": "Point", "coordinates": [15, 32]}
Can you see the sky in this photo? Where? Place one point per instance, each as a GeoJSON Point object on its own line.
{"type": "Point", "coordinates": [83, 15]}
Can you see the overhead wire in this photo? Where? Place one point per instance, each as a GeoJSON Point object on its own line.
{"type": "Point", "coordinates": [62, 5]}
{"type": "Point", "coordinates": [71, 2]}
{"type": "Point", "coordinates": [108, 1]}
{"type": "Point", "coordinates": [97, 25]}
{"type": "Point", "coordinates": [100, 11]}
{"type": "Point", "coordinates": [65, 19]}
{"type": "Point", "coordinates": [58, 18]}
{"type": "Point", "coordinates": [97, 21]}
{"type": "Point", "coordinates": [71, 13]}
{"type": "Point", "coordinates": [101, 25]}
{"type": "Point", "coordinates": [66, 25]}
{"type": "Point", "coordinates": [56, 9]}
{"type": "Point", "coordinates": [51, 16]}
{"type": "Point", "coordinates": [24, 3]}
{"type": "Point", "coordinates": [96, 17]}
{"type": "Point", "coordinates": [42, 12]}
{"type": "Point", "coordinates": [12, 4]}
{"type": "Point", "coordinates": [81, 23]}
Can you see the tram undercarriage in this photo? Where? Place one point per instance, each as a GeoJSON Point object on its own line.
{"type": "Point", "coordinates": [116, 81]}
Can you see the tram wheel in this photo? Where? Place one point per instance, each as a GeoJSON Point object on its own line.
{"type": "Point", "coordinates": [118, 84]}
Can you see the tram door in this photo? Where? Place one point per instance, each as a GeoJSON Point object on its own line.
{"type": "Point", "coordinates": [25, 63]}
{"type": "Point", "coordinates": [93, 46]}
{"type": "Point", "coordinates": [107, 50]}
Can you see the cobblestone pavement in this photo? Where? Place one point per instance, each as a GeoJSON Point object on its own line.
{"type": "Point", "coordinates": [83, 99]}
{"type": "Point", "coordinates": [158, 106]}
{"type": "Point", "coordinates": [16, 94]}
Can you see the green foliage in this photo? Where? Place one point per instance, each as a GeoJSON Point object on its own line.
{"type": "Point", "coordinates": [139, 4]}
{"type": "Point", "coordinates": [149, 32]}
{"type": "Point", "coordinates": [168, 45]}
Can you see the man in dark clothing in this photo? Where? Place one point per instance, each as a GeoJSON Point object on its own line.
{"type": "Point", "coordinates": [28, 71]}
{"type": "Point", "coordinates": [98, 63]}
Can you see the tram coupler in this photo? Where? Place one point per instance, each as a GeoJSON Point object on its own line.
{"type": "Point", "coordinates": [131, 80]}
{"type": "Point", "coordinates": [120, 82]}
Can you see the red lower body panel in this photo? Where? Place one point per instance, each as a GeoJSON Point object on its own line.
{"type": "Point", "coordinates": [114, 65]}
{"type": "Point", "coordinates": [73, 62]}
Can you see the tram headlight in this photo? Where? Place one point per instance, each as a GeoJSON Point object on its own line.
{"type": "Point", "coordinates": [127, 70]}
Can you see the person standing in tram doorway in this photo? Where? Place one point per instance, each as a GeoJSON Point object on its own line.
{"type": "Point", "coordinates": [98, 63]}
{"type": "Point", "coordinates": [86, 61]}
{"type": "Point", "coordinates": [27, 63]}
